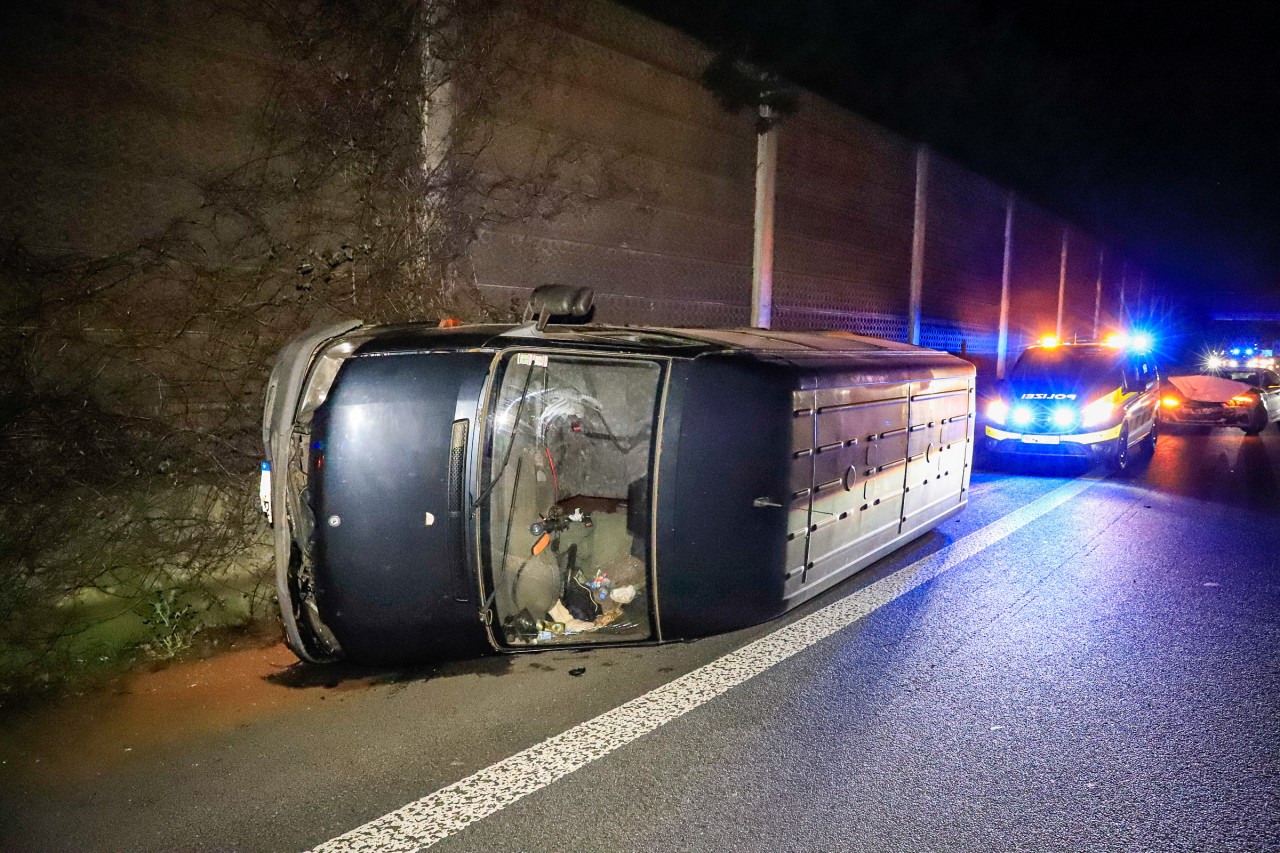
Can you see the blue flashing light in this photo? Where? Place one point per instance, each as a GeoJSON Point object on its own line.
{"type": "Point", "coordinates": [1064, 417]}
{"type": "Point", "coordinates": [1141, 341]}
{"type": "Point", "coordinates": [1235, 350]}
{"type": "Point", "coordinates": [1021, 415]}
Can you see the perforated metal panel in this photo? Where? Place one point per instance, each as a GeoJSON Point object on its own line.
{"type": "Point", "coordinates": [963, 259]}
{"type": "Point", "coordinates": [957, 338]}
{"type": "Point", "coordinates": [1115, 274]}
{"type": "Point", "coordinates": [862, 322]}
{"type": "Point", "coordinates": [1082, 277]}
{"type": "Point", "coordinates": [1033, 291]}
{"type": "Point", "coordinates": [655, 203]}
{"type": "Point", "coordinates": [842, 247]}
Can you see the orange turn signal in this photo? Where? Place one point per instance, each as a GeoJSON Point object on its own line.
{"type": "Point", "coordinates": [1169, 402]}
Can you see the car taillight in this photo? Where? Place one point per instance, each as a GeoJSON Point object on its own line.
{"type": "Point", "coordinates": [1170, 402]}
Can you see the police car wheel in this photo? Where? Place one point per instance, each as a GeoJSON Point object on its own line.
{"type": "Point", "coordinates": [1120, 456]}
{"type": "Point", "coordinates": [1149, 443]}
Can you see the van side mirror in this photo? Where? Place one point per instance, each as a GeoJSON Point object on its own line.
{"type": "Point", "coordinates": [557, 300]}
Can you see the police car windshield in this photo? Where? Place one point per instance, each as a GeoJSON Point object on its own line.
{"type": "Point", "coordinates": [1066, 364]}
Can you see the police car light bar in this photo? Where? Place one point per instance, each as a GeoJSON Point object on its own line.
{"type": "Point", "coordinates": [1141, 341]}
{"type": "Point", "coordinates": [1138, 341]}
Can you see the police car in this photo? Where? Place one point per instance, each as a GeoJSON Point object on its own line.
{"type": "Point", "coordinates": [1094, 401]}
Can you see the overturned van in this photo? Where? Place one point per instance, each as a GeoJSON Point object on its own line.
{"type": "Point", "coordinates": [446, 491]}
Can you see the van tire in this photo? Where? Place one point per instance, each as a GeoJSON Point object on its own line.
{"type": "Point", "coordinates": [1120, 457]}
{"type": "Point", "coordinates": [1149, 443]}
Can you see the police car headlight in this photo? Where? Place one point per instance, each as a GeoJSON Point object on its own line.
{"type": "Point", "coordinates": [998, 412]}
{"type": "Point", "coordinates": [1064, 417]}
{"type": "Point", "coordinates": [1021, 415]}
{"type": "Point", "coordinates": [1099, 411]}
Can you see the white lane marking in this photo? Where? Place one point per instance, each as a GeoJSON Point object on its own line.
{"type": "Point", "coordinates": [449, 810]}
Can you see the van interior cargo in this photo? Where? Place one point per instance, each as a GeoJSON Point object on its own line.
{"type": "Point", "coordinates": [568, 467]}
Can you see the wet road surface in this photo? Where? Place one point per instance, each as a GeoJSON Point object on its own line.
{"type": "Point", "coordinates": [1101, 672]}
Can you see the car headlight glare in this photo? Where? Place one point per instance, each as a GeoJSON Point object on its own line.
{"type": "Point", "coordinates": [1021, 415]}
{"type": "Point", "coordinates": [1064, 417]}
{"type": "Point", "coordinates": [998, 412]}
{"type": "Point", "coordinates": [1099, 411]}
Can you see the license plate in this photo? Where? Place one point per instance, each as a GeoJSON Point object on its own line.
{"type": "Point", "coordinates": [264, 489]}
{"type": "Point", "coordinates": [1041, 439]}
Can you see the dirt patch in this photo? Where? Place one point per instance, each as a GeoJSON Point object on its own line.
{"type": "Point", "coordinates": [80, 736]}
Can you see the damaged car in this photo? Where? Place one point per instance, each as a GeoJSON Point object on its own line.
{"type": "Point", "coordinates": [1248, 399]}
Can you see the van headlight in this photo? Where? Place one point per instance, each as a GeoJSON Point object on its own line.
{"type": "Point", "coordinates": [1063, 417]}
{"type": "Point", "coordinates": [1022, 415]}
{"type": "Point", "coordinates": [1099, 411]}
{"type": "Point", "coordinates": [998, 412]}
{"type": "Point", "coordinates": [323, 372]}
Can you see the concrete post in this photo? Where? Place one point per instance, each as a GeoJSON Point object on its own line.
{"type": "Point", "coordinates": [1002, 339]}
{"type": "Point", "coordinates": [1062, 283]}
{"type": "Point", "coordinates": [762, 254]}
{"type": "Point", "coordinates": [917, 246]}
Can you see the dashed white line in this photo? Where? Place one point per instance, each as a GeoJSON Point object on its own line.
{"type": "Point", "coordinates": [451, 809]}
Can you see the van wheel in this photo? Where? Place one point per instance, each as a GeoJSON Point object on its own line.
{"type": "Point", "coordinates": [1149, 443]}
{"type": "Point", "coordinates": [1120, 458]}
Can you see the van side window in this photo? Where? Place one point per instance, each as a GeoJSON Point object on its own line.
{"type": "Point", "coordinates": [1140, 375]}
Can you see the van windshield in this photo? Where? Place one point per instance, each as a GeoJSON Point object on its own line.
{"type": "Point", "coordinates": [1066, 365]}
{"type": "Point", "coordinates": [566, 511]}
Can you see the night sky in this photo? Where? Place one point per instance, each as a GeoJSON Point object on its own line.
{"type": "Point", "coordinates": [1153, 125]}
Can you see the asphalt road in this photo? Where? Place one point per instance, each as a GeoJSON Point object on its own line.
{"type": "Point", "coordinates": [1073, 663]}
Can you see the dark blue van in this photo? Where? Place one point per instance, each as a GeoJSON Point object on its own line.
{"type": "Point", "coordinates": [448, 491]}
